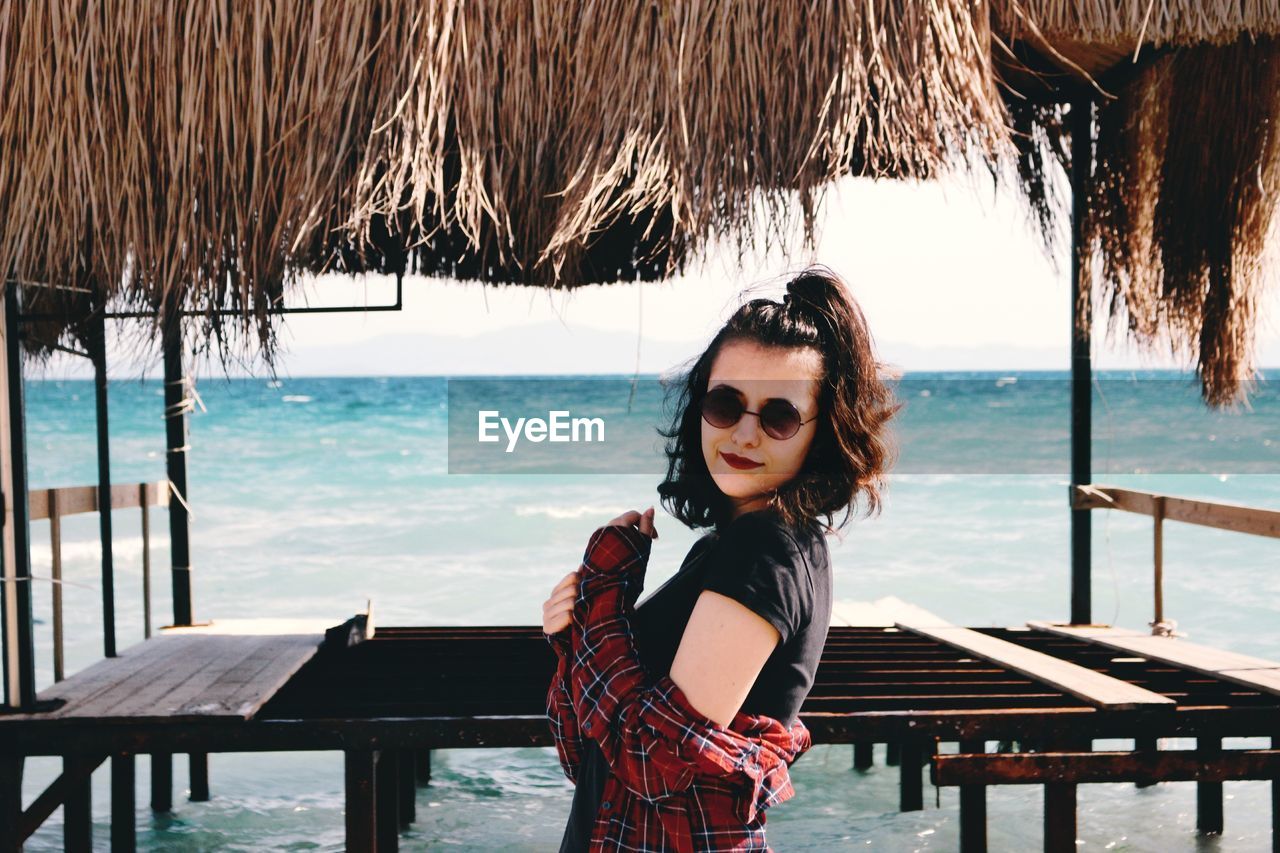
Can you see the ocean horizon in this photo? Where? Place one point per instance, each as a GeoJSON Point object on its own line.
{"type": "Point", "coordinates": [311, 496]}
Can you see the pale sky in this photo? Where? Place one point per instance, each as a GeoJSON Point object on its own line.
{"type": "Point", "coordinates": [948, 274]}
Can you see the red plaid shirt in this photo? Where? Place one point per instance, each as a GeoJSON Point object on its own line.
{"type": "Point", "coordinates": [678, 780]}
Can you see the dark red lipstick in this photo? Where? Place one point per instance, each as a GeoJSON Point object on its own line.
{"type": "Point", "coordinates": [739, 461]}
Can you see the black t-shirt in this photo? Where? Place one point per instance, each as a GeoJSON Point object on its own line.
{"type": "Point", "coordinates": [781, 573]}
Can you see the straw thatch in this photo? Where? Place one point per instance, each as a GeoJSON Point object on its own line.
{"type": "Point", "coordinates": [206, 154]}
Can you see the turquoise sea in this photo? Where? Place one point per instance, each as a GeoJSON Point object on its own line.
{"type": "Point", "coordinates": [312, 496]}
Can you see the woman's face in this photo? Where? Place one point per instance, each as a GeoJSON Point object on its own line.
{"type": "Point", "coordinates": [746, 463]}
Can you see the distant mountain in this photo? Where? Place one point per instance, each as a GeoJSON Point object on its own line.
{"type": "Point", "coordinates": [551, 348]}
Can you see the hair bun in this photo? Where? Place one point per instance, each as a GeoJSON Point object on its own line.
{"type": "Point", "coordinates": [812, 292]}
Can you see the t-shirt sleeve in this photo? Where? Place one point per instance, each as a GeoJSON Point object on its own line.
{"type": "Point", "coordinates": [758, 565]}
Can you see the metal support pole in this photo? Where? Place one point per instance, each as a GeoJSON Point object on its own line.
{"type": "Point", "coordinates": [124, 836]}
{"type": "Point", "coordinates": [77, 811]}
{"type": "Point", "coordinates": [1209, 794]}
{"type": "Point", "coordinates": [19, 646]}
{"type": "Point", "coordinates": [175, 415]}
{"type": "Point", "coordinates": [408, 790]}
{"type": "Point", "coordinates": [973, 807]}
{"type": "Point", "coordinates": [198, 774]}
{"type": "Point", "coordinates": [1060, 817]}
{"type": "Point", "coordinates": [910, 783]}
{"type": "Point", "coordinates": [10, 801]}
{"type": "Point", "coordinates": [1081, 369]}
{"type": "Point", "coordinates": [386, 798]}
{"type": "Point", "coordinates": [161, 781]}
{"type": "Point", "coordinates": [361, 820]}
{"type": "Point", "coordinates": [98, 352]}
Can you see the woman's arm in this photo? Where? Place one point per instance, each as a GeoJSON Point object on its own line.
{"type": "Point", "coordinates": [560, 711]}
{"type": "Point", "coordinates": [655, 740]}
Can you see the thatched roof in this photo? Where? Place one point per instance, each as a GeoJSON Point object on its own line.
{"type": "Point", "coordinates": [208, 153]}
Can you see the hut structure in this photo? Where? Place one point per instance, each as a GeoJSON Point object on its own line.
{"type": "Point", "coordinates": [184, 165]}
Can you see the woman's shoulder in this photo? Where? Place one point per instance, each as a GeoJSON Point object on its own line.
{"type": "Point", "coordinates": [768, 522]}
{"type": "Point", "coordinates": [764, 529]}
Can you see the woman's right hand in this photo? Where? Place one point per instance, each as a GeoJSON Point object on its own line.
{"type": "Point", "coordinates": [557, 610]}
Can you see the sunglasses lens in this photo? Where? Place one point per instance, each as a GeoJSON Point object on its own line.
{"type": "Point", "coordinates": [779, 419]}
{"type": "Point", "coordinates": [721, 408]}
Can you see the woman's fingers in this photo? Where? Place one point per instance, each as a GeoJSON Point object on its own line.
{"type": "Point", "coordinates": [569, 580]}
{"type": "Point", "coordinates": [642, 521]}
{"type": "Point", "coordinates": [567, 594]}
{"type": "Point", "coordinates": [556, 616]}
{"type": "Point", "coordinates": [628, 518]}
{"type": "Point", "coordinates": [646, 524]}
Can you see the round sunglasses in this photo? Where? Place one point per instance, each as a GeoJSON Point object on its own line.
{"type": "Point", "coordinates": [723, 408]}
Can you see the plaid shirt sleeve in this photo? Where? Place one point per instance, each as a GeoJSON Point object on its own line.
{"type": "Point", "coordinates": [560, 710]}
{"type": "Point", "coordinates": [656, 743]}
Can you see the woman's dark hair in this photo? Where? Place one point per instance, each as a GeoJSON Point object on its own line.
{"type": "Point", "coordinates": [851, 452]}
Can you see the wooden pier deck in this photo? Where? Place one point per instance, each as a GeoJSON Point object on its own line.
{"type": "Point", "coordinates": [388, 700]}
{"type": "Point", "coordinates": [223, 669]}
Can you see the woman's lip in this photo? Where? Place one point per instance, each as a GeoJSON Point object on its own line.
{"type": "Point", "coordinates": [739, 461]}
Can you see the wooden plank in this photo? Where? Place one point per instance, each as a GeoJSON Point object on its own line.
{"type": "Point", "coordinates": [174, 669]}
{"type": "Point", "coordinates": [1219, 514]}
{"type": "Point", "coordinates": [1256, 673]}
{"type": "Point", "coordinates": [1095, 688]}
{"type": "Point", "coordinates": [242, 691]}
{"type": "Point", "coordinates": [1038, 768]}
{"type": "Point", "coordinates": [73, 500]}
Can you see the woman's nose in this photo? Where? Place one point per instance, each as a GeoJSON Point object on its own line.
{"type": "Point", "coordinates": [747, 432]}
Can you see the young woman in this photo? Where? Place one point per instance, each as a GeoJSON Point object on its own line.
{"type": "Point", "coordinates": [677, 719]}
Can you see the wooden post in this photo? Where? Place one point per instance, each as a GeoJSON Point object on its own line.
{"type": "Point", "coordinates": [1209, 794]}
{"type": "Point", "coordinates": [1059, 817]}
{"type": "Point", "coordinates": [892, 753]}
{"type": "Point", "coordinates": [161, 781]}
{"type": "Point", "coordinates": [360, 818]}
{"type": "Point", "coordinates": [123, 804]}
{"type": "Point", "coordinates": [55, 549]}
{"type": "Point", "coordinates": [1081, 119]}
{"type": "Point", "coordinates": [198, 767]}
{"type": "Point", "coordinates": [15, 590]}
{"type": "Point", "coordinates": [408, 790]}
{"type": "Point", "coordinates": [77, 811]}
{"type": "Point", "coordinates": [973, 807]}
{"type": "Point", "coordinates": [863, 755]}
{"type": "Point", "coordinates": [386, 801]}
{"type": "Point", "coordinates": [1157, 513]}
{"type": "Point", "coordinates": [423, 766]}
{"type": "Point", "coordinates": [146, 561]}
{"type": "Point", "coordinates": [910, 783]}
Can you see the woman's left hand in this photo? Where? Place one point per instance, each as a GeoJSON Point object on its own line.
{"type": "Point", "coordinates": [642, 521]}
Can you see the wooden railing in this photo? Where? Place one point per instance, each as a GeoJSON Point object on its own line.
{"type": "Point", "coordinates": [56, 504]}
{"type": "Point", "coordinates": [1222, 515]}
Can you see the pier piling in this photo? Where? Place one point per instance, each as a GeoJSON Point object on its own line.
{"type": "Point", "coordinates": [973, 807]}
{"type": "Point", "coordinates": [123, 804]}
